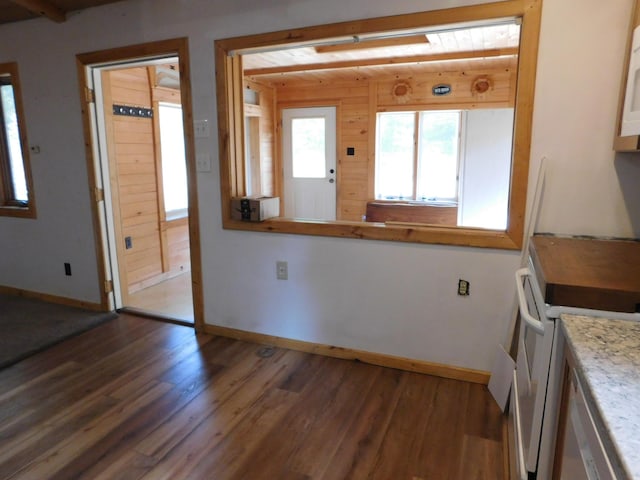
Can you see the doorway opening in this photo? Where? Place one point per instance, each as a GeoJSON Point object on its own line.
{"type": "Point", "coordinates": [140, 122]}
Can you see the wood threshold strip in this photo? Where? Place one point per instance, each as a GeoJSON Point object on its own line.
{"type": "Point", "coordinates": [380, 359]}
{"type": "Point", "coordinates": [45, 297]}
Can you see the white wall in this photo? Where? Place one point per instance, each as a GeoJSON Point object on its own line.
{"type": "Point", "coordinates": [588, 189]}
{"type": "Point", "coordinates": [391, 298]}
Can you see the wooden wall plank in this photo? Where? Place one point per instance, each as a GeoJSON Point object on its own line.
{"type": "Point", "coordinates": [352, 131]}
{"type": "Point", "coordinates": [266, 128]}
{"type": "Point", "coordinates": [136, 176]}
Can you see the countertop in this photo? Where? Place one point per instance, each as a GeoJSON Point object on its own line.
{"type": "Point", "coordinates": [587, 273]}
{"type": "Point", "coordinates": [607, 356]}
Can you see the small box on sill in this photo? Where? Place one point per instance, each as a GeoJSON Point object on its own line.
{"type": "Point", "coordinates": [255, 208]}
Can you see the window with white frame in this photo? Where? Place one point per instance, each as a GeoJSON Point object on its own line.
{"type": "Point", "coordinates": [417, 155]}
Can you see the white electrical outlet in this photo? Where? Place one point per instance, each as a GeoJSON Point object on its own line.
{"type": "Point", "coordinates": [282, 270]}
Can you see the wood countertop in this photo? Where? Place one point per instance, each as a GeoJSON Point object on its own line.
{"type": "Point", "coordinates": [587, 272]}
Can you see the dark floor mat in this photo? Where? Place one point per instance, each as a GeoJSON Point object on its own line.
{"type": "Point", "coordinates": [28, 326]}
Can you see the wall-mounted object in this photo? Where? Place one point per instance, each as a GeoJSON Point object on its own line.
{"type": "Point", "coordinates": [129, 111]}
{"type": "Point", "coordinates": [481, 85]}
{"type": "Point", "coordinates": [441, 89]}
{"type": "Point", "coordinates": [401, 91]}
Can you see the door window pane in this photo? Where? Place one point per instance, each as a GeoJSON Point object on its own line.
{"type": "Point", "coordinates": [394, 155]}
{"type": "Point", "coordinates": [438, 156]}
{"type": "Point", "coordinates": [308, 148]}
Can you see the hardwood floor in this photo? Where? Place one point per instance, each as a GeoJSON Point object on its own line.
{"type": "Point", "coordinates": [171, 298]}
{"type": "Point", "coordinates": [135, 398]}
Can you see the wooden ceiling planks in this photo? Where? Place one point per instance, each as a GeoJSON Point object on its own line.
{"type": "Point", "coordinates": [56, 10]}
{"type": "Point", "coordinates": [484, 47]}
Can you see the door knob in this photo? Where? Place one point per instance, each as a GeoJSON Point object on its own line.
{"type": "Point", "coordinates": [331, 171]}
{"type": "Point", "coordinates": [331, 180]}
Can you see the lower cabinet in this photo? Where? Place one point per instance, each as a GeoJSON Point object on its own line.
{"type": "Point", "coordinates": [580, 453]}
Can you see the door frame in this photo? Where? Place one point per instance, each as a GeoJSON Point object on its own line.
{"type": "Point", "coordinates": [178, 47]}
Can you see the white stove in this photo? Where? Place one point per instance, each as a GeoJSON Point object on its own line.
{"type": "Point", "coordinates": [536, 387]}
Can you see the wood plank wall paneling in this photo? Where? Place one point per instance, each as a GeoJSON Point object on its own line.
{"type": "Point", "coordinates": [353, 131]}
{"type": "Point", "coordinates": [462, 95]}
{"type": "Point", "coordinates": [266, 130]}
{"type": "Point", "coordinates": [360, 99]}
{"type": "Point", "coordinates": [134, 144]}
{"type": "Point", "coordinates": [134, 148]}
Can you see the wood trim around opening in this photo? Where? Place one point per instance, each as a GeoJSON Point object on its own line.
{"type": "Point", "coordinates": [164, 48]}
{"type": "Point", "coordinates": [529, 11]}
{"type": "Point", "coordinates": [381, 359]}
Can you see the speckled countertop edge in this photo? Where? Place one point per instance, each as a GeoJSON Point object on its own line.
{"type": "Point", "coordinates": [607, 354]}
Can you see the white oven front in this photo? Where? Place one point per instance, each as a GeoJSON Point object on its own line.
{"type": "Point", "coordinates": [529, 390]}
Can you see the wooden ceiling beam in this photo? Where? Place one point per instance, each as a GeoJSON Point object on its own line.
{"type": "Point", "coordinates": [379, 62]}
{"type": "Point", "coordinates": [43, 8]}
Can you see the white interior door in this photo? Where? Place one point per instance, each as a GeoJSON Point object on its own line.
{"type": "Point", "coordinates": [309, 161]}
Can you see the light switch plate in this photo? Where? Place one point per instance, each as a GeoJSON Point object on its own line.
{"type": "Point", "coordinates": [203, 162]}
{"type": "Point", "coordinates": [201, 129]}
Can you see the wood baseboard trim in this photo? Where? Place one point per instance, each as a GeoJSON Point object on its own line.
{"type": "Point", "coordinates": [383, 360]}
{"type": "Point", "coordinates": [45, 297]}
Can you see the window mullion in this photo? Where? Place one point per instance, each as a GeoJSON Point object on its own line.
{"type": "Point", "coordinates": [416, 137]}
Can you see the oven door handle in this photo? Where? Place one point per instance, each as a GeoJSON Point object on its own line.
{"type": "Point", "coordinates": [535, 324]}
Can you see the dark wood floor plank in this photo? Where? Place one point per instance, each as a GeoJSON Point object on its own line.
{"type": "Point", "coordinates": [226, 458]}
{"type": "Point", "coordinates": [356, 451]}
{"type": "Point", "coordinates": [224, 415]}
{"type": "Point", "coordinates": [328, 429]}
{"type": "Point", "coordinates": [272, 459]}
{"type": "Point", "coordinates": [444, 413]}
{"type": "Point", "coordinates": [180, 425]}
{"type": "Point", "coordinates": [116, 369]}
{"type": "Point", "coordinates": [404, 436]}
{"type": "Point", "coordinates": [108, 337]}
{"type": "Point", "coordinates": [56, 457]}
{"type": "Point", "coordinates": [136, 398]}
{"type": "Point", "coordinates": [33, 442]}
{"type": "Point", "coordinates": [191, 376]}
